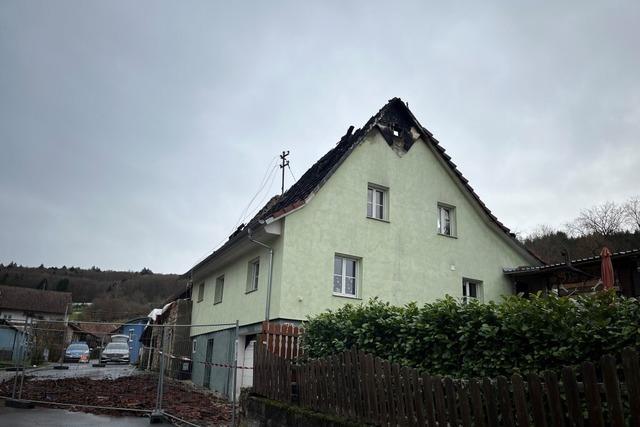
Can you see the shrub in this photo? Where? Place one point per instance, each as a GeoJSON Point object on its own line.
{"type": "Point", "coordinates": [447, 337]}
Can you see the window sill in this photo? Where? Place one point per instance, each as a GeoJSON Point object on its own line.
{"type": "Point", "coordinates": [199, 301]}
{"type": "Point", "coordinates": [251, 291]}
{"type": "Point", "coordinates": [216, 303]}
{"type": "Point", "coordinates": [448, 235]}
{"type": "Point", "coordinates": [378, 219]}
{"type": "Point", "coordinates": [346, 296]}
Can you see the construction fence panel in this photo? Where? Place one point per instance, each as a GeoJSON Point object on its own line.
{"type": "Point", "coordinates": [148, 373]}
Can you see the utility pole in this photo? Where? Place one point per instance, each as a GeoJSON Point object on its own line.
{"type": "Point", "coordinates": [283, 165]}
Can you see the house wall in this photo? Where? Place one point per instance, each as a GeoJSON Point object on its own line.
{"type": "Point", "coordinates": [236, 303]}
{"type": "Point", "coordinates": [19, 316]}
{"type": "Point", "coordinates": [219, 376]}
{"type": "Point", "coordinates": [402, 260]}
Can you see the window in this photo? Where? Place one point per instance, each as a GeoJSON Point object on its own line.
{"type": "Point", "coordinates": [446, 220]}
{"type": "Point", "coordinates": [200, 291]}
{"type": "Point", "coordinates": [194, 346]}
{"type": "Point", "coordinates": [217, 297]}
{"type": "Point", "coordinates": [471, 289]}
{"type": "Point", "coordinates": [377, 202]}
{"type": "Point", "coordinates": [131, 334]}
{"type": "Point", "coordinates": [253, 275]}
{"type": "Point", "coordinates": [345, 276]}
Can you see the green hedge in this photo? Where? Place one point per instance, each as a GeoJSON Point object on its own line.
{"type": "Point", "coordinates": [450, 338]}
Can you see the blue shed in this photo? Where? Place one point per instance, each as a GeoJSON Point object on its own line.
{"type": "Point", "coordinates": [10, 341]}
{"type": "Point", "coordinates": [133, 329]}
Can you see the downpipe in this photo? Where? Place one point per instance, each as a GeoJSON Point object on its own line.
{"type": "Point", "coordinates": [270, 279]}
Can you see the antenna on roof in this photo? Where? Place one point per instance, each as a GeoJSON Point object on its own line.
{"type": "Point", "coordinates": [284, 164]}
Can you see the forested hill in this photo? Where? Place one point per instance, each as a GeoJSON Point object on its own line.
{"type": "Point", "coordinates": [115, 294]}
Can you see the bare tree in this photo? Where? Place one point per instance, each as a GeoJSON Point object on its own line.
{"type": "Point", "coordinates": [605, 220]}
{"type": "Point", "coordinates": [632, 212]}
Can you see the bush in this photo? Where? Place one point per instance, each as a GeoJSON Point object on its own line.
{"type": "Point", "coordinates": [469, 340]}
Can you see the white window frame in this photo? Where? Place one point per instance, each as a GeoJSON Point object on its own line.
{"type": "Point", "coordinates": [200, 292]}
{"type": "Point", "coordinates": [451, 210]}
{"type": "Point", "coordinates": [218, 293]}
{"type": "Point", "coordinates": [466, 285]}
{"type": "Point", "coordinates": [377, 197]}
{"type": "Point", "coordinates": [253, 275]}
{"type": "Point", "coordinates": [343, 276]}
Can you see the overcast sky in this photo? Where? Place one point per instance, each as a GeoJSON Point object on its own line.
{"type": "Point", "coordinates": [134, 134]}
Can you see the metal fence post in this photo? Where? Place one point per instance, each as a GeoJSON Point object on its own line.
{"type": "Point", "coordinates": [19, 361]}
{"type": "Point", "coordinates": [235, 373]}
{"type": "Point", "coordinates": [64, 339]}
{"type": "Point", "coordinates": [157, 416]}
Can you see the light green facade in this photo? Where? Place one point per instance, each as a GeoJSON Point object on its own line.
{"type": "Point", "coordinates": [402, 260]}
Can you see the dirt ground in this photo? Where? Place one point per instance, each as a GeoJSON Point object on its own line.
{"type": "Point", "coordinates": [136, 392]}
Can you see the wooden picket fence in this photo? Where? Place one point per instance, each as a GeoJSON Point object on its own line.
{"type": "Point", "coordinates": [282, 339]}
{"type": "Point", "coordinates": [363, 388]}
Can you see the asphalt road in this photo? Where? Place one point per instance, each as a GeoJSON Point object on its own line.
{"type": "Point", "coordinates": [60, 418]}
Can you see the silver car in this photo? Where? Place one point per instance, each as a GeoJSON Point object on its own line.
{"type": "Point", "coordinates": [115, 352]}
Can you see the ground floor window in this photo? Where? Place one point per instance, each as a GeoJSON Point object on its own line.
{"type": "Point", "coordinates": [345, 276]}
{"type": "Point", "coordinates": [471, 290]}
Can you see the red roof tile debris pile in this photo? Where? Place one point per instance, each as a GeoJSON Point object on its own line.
{"type": "Point", "coordinates": [137, 392]}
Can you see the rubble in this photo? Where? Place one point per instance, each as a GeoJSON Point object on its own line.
{"type": "Point", "coordinates": [135, 392]}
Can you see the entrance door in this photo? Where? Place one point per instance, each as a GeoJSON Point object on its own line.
{"type": "Point", "coordinates": [207, 367]}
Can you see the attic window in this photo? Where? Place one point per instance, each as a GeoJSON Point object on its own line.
{"type": "Point", "coordinates": [396, 132]}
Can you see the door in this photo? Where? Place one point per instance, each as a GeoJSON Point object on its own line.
{"type": "Point", "coordinates": [207, 367]}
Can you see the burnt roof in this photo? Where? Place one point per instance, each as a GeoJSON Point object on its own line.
{"type": "Point", "coordinates": [34, 300]}
{"type": "Point", "coordinates": [394, 116]}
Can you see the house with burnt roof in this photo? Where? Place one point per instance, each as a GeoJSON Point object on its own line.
{"type": "Point", "coordinates": [385, 213]}
{"type": "Point", "coordinates": [18, 304]}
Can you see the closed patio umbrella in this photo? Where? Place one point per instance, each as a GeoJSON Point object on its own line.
{"type": "Point", "coordinates": [606, 269]}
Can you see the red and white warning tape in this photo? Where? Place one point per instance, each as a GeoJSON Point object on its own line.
{"type": "Point", "coordinates": [187, 359]}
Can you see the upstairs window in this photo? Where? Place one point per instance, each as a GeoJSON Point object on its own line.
{"type": "Point", "coordinates": [377, 202]}
{"type": "Point", "coordinates": [200, 292]}
{"type": "Point", "coordinates": [471, 290]}
{"type": "Point", "coordinates": [217, 297]}
{"type": "Point", "coordinates": [345, 276]}
{"type": "Point", "coordinates": [253, 275]}
{"type": "Point", "coordinates": [446, 220]}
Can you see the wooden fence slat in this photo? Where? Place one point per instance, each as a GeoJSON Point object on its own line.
{"type": "Point", "coordinates": [373, 389]}
{"type": "Point", "coordinates": [490, 402]}
{"type": "Point", "coordinates": [393, 419]}
{"type": "Point", "coordinates": [612, 390]}
{"type": "Point", "coordinates": [505, 401]}
{"type": "Point", "coordinates": [520, 401]}
{"type": "Point", "coordinates": [427, 388]}
{"type": "Point", "coordinates": [450, 393]}
{"type": "Point", "coordinates": [364, 386]}
{"type": "Point", "coordinates": [553, 395]}
{"type": "Point", "coordinates": [536, 396]}
{"type": "Point", "coordinates": [465, 408]}
{"type": "Point", "coordinates": [382, 394]}
{"type": "Point", "coordinates": [572, 394]}
{"type": "Point", "coordinates": [408, 393]}
{"type": "Point", "coordinates": [592, 394]}
{"type": "Point", "coordinates": [476, 403]}
{"type": "Point", "coordinates": [418, 396]}
{"type": "Point", "coordinates": [441, 411]}
{"type": "Point", "coordinates": [397, 391]}
{"type": "Point", "coordinates": [631, 367]}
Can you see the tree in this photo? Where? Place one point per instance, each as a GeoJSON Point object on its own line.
{"type": "Point", "coordinates": [632, 212]}
{"type": "Point", "coordinates": [604, 220]}
{"type": "Point", "coordinates": [145, 270]}
{"type": "Point", "coordinates": [62, 285]}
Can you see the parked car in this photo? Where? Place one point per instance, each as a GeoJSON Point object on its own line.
{"type": "Point", "coordinates": [115, 352]}
{"type": "Point", "coordinates": [77, 352]}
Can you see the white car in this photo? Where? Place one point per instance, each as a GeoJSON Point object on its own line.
{"type": "Point", "coordinates": [115, 352]}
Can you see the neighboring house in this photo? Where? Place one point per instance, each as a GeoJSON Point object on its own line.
{"type": "Point", "coordinates": [94, 334]}
{"type": "Point", "coordinates": [578, 276]}
{"type": "Point", "coordinates": [11, 340]}
{"type": "Point", "coordinates": [133, 329]}
{"type": "Point", "coordinates": [169, 320]}
{"type": "Point", "coordinates": [18, 304]}
{"type": "Point", "coordinates": [385, 214]}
